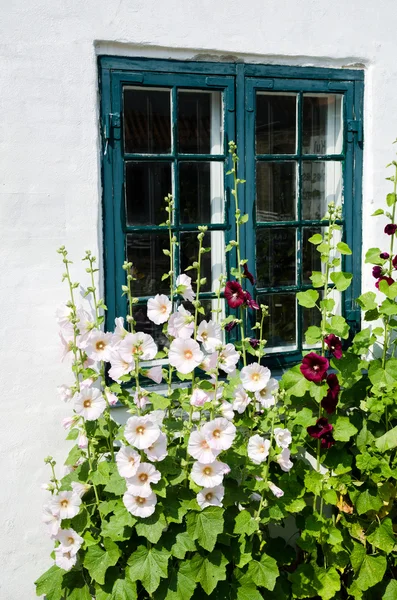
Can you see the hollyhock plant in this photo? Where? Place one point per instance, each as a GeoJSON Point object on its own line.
{"type": "Point", "coordinates": [250, 302]}
{"type": "Point", "coordinates": [185, 355]}
{"type": "Point", "coordinates": [266, 396]}
{"type": "Point", "coordinates": [322, 430]}
{"type": "Point", "coordinates": [234, 294]}
{"type": "Point", "coordinates": [139, 484]}
{"type": "Point", "coordinates": [334, 345]}
{"type": "Point", "coordinates": [255, 377]}
{"type": "Point", "coordinates": [219, 433]}
{"type": "Point", "coordinates": [140, 506]}
{"type": "Point", "coordinates": [159, 309]}
{"type": "Point", "coordinates": [210, 334]}
{"type": "Point", "coordinates": [90, 404]}
{"type": "Point", "coordinates": [141, 432]}
{"type": "Point", "coordinates": [184, 287]}
{"type": "Point", "coordinates": [181, 323]}
{"type": "Point", "coordinates": [314, 367]}
{"type": "Point", "coordinates": [390, 228]}
{"type": "Point", "coordinates": [377, 272]}
{"type": "Point", "coordinates": [158, 450]}
{"type": "Point", "coordinates": [258, 449]}
{"type": "Point", "coordinates": [127, 460]}
{"type": "Point", "coordinates": [248, 275]}
{"type": "Point", "coordinates": [199, 448]}
{"type": "Point", "coordinates": [210, 474]}
{"type": "Point", "coordinates": [137, 345]}
{"type": "Point", "coordinates": [211, 496]}
{"type": "Point", "coordinates": [384, 255]}
{"type": "Point", "coordinates": [389, 281]}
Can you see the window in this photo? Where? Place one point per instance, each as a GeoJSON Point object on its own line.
{"type": "Point", "coordinates": [166, 127]}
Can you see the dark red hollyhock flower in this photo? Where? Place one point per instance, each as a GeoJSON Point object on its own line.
{"type": "Point", "coordinates": [394, 262]}
{"type": "Point", "coordinates": [330, 401]}
{"type": "Point", "coordinates": [250, 302]}
{"type": "Point", "coordinates": [333, 383]}
{"type": "Point", "coordinates": [327, 440]}
{"type": "Point", "coordinates": [391, 229]}
{"type": "Point", "coordinates": [230, 326]}
{"type": "Point", "coordinates": [234, 294]}
{"type": "Point", "coordinates": [248, 275]}
{"type": "Point", "coordinates": [334, 345]}
{"type": "Point", "coordinates": [314, 367]}
{"type": "Point", "coordinates": [322, 431]}
{"type": "Point", "coordinates": [389, 280]}
{"type": "Point", "coordinates": [385, 255]}
{"type": "Point", "coordinates": [254, 342]}
{"type": "Point", "coordinates": [377, 272]}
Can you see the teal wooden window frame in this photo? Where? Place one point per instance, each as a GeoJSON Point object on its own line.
{"type": "Point", "coordinates": [239, 83]}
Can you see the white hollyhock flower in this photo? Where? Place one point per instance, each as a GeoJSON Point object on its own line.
{"type": "Point", "coordinates": [209, 362]}
{"type": "Point", "coordinates": [66, 346]}
{"type": "Point", "coordinates": [80, 488]}
{"type": "Point", "coordinates": [226, 409]}
{"type": "Point", "coordinates": [184, 283]}
{"type": "Point", "coordinates": [211, 496]}
{"type": "Point", "coordinates": [64, 560]}
{"type": "Point", "coordinates": [139, 484]}
{"type": "Point", "coordinates": [69, 422]}
{"type": "Point", "coordinates": [85, 325]}
{"type": "Point", "coordinates": [63, 314]}
{"type": "Point", "coordinates": [228, 358]}
{"type": "Point", "coordinates": [111, 398]}
{"type": "Point", "coordinates": [141, 399]}
{"type": "Point", "coordinates": [127, 461]}
{"type": "Point", "coordinates": [199, 397]}
{"type": "Point", "coordinates": [265, 396]}
{"type": "Point", "coordinates": [119, 366]}
{"type": "Point", "coordinates": [65, 392]}
{"type": "Point", "coordinates": [185, 355]}
{"type": "Point", "coordinates": [119, 331]}
{"type": "Point", "coordinates": [155, 374]}
{"type": "Point", "coordinates": [90, 404]}
{"type": "Point", "coordinates": [199, 448]}
{"type": "Point", "coordinates": [156, 416]}
{"type": "Point", "coordinates": [181, 323]}
{"type": "Point", "coordinates": [99, 345]}
{"type": "Point", "coordinates": [140, 506]}
{"type": "Point", "coordinates": [219, 433]}
{"type": "Point", "coordinates": [70, 541]}
{"type": "Point", "coordinates": [210, 334]}
{"type": "Point", "coordinates": [254, 377]}
{"type": "Point", "coordinates": [241, 399]}
{"type": "Point", "coordinates": [158, 450]}
{"type": "Point", "coordinates": [159, 309]}
{"type": "Point", "coordinates": [209, 475]}
{"type": "Point", "coordinates": [284, 461]}
{"type": "Point", "coordinates": [82, 440]}
{"type": "Point", "coordinates": [137, 345]}
{"type": "Point", "coordinates": [282, 437]}
{"type": "Point", "coordinates": [276, 491]}
{"type": "Point", "coordinates": [219, 392]}
{"type": "Point", "coordinates": [258, 449]}
{"type": "Point", "coordinates": [51, 519]}
{"type": "Point", "coordinates": [65, 504]}
{"type": "Point", "coordinates": [141, 432]}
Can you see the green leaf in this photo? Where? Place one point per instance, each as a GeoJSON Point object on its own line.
{"type": "Point", "coordinates": [343, 248]}
{"type": "Point", "coordinates": [390, 591]}
{"type": "Point", "coordinates": [265, 572]}
{"type": "Point", "coordinates": [369, 569]}
{"type": "Point", "coordinates": [313, 335]}
{"type": "Point", "coordinates": [209, 570]}
{"type": "Point", "coordinates": [373, 257]}
{"type": "Point", "coordinates": [182, 584]}
{"type": "Point", "coordinates": [245, 523]}
{"type": "Point", "coordinates": [387, 441]}
{"type": "Point", "coordinates": [329, 583]}
{"type": "Point", "coordinates": [338, 326]}
{"type": "Point", "coordinates": [341, 280]}
{"type": "Point", "coordinates": [383, 536]}
{"type": "Point", "coordinates": [343, 429]}
{"type": "Point", "coordinates": [248, 592]}
{"type": "Point", "coordinates": [303, 581]}
{"type": "Point", "coordinates": [243, 219]}
{"type": "Point", "coordinates": [328, 304]}
{"type": "Point", "coordinates": [73, 456]}
{"type": "Point", "coordinates": [367, 501]}
{"type": "Point", "coordinates": [391, 199]}
{"type": "Point", "coordinates": [388, 307]}
{"type": "Point", "coordinates": [205, 526]}
{"type": "Point", "coordinates": [304, 418]}
{"type": "Point", "coordinates": [183, 544]}
{"type": "Point", "coordinates": [317, 279]}
{"type": "Point", "coordinates": [101, 474]}
{"type": "Point", "coordinates": [367, 301]}
{"type": "Point", "coordinates": [308, 298]}
{"type": "Point", "coordinates": [295, 383]}
{"type": "Point", "coordinates": [116, 484]}
{"type": "Point", "coordinates": [97, 560]}
{"type": "Point", "coordinates": [379, 211]}
{"type": "Point", "coordinates": [118, 528]}
{"type": "Point", "coordinates": [152, 527]}
{"type": "Point", "coordinates": [386, 376]}
{"type": "Point", "coordinates": [314, 482]}
{"type": "Point", "coordinates": [148, 566]}
{"type": "Point", "coordinates": [50, 583]}
{"type": "Point", "coordinates": [315, 239]}
{"type": "Point", "coordinates": [159, 402]}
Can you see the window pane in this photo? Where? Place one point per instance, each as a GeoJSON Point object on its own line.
{"type": "Point", "coordinates": [275, 191]}
{"type": "Point", "coordinates": [311, 260]}
{"type": "Point", "coordinates": [275, 129]}
{"type": "Point", "coordinates": [212, 263]}
{"type": "Point", "coordinates": [146, 185]}
{"type": "Point", "coordinates": [310, 317]}
{"type": "Point", "coordinates": [321, 184]}
{"type": "Point", "coordinates": [144, 324]}
{"type": "Point", "coordinates": [322, 124]}
{"type": "Point", "coordinates": [279, 329]}
{"type": "Point", "coordinates": [275, 257]}
{"type": "Point", "coordinates": [145, 251]}
{"type": "Point", "coordinates": [147, 121]}
{"type": "Point", "coordinates": [200, 122]}
{"type": "Point", "coordinates": [201, 192]}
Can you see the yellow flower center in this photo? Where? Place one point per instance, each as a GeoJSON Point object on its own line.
{"type": "Point", "coordinates": [209, 496]}
{"type": "Point", "coordinates": [207, 471]}
{"type": "Point", "coordinates": [188, 354]}
{"type": "Point", "coordinates": [140, 500]}
{"type": "Point", "coordinates": [204, 335]}
{"type": "Point", "coordinates": [131, 459]}
{"type": "Point", "coordinates": [216, 433]}
{"type": "Point", "coordinates": [204, 444]}
{"type": "Point", "coordinates": [87, 403]}
{"type": "Point", "coordinates": [163, 308]}
{"type": "Point", "coordinates": [64, 503]}
{"type": "Point", "coordinates": [140, 429]}
{"type": "Point", "coordinates": [143, 477]}
{"type": "Point", "coordinates": [255, 376]}
{"type": "Point", "coordinates": [261, 448]}
{"type": "Point", "coordinates": [100, 345]}
{"type": "Point", "coordinates": [70, 540]}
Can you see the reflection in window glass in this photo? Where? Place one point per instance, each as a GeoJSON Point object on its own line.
{"type": "Point", "coordinates": [321, 184]}
{"type": "Point", "coordinates": [279, 329]}
{"type": "Point", "coordinates": [275, 191]}
{"type": "Point", "coordinates": [275, 257]}
{"type": "Point", "coordinates": [143, 323]}
{"type": "Point", "coordinates": [275, 128]}
{"type": "Point", "coordinates": [146, 185]}
{"type": "Point", "coordinates": [322, 124]}
{"type": "Point", "coordinates": [149, 263]}
{"type": "Point", "coordinates": [147, 121]}
{"type": "Point", "coordinates": [200, 122]}
{"type": "Point", "coordinates": [201, 197]}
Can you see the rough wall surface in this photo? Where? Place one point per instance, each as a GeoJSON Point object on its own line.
{"type": "Point", "coordinates": [50, 181]}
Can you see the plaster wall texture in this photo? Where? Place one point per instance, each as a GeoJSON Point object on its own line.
{"type": "Point", "coordinates": [50, 191]}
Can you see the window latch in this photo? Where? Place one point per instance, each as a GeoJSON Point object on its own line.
{"type": "Point", "coordinates": [111, 128]}
{"type": "Point", "coordinates": [354, 127]}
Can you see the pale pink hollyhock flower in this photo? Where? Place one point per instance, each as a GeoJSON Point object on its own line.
{"type": "Point", "coordinates": [80, 488]}
{"type": "Point", "coordinates": [284, 461]}
{"type": "Point", "coordinates": [282, 437]}
{"type": "Point", "coordinates": [258, 449]}
{"type": "Point", "coordinates": [111, 398]}
{"type": "Point", "coordinates": [185, 355]}
{"type": "Point", "coordinates": [66, 346]}
{"type": "Point", "coordinates": [99, 345]}
{"type": "Point", "coordinates": [63, 314]}
{"type": "Point", "coordinates": [90, 404]}
{"type": "Point", "coordinates": [199, 448]}
{"type": "Point", "coordinates": [85, 325]}
{"type": "Point", "coordinates": [226, 410]}
{"type": "Point", "coordinates": [140, 506]}
{"type": "Point", "coordinates": [70, 541]}
{"type": "Point", "coordinates": [209, 362]}
{"type": "Point", "coordinates": [158, 450]}
{"type": "Point", "coordinates": [209, 475]}
{"type": "Point", "coordinates": [254, 377]}
{"type": "Point", "coordinates": [141, 432]}
{"type": "Point", "coordinates": [65, 392]}
{"type": "Point", "coordinates": [214, 397]}
{"type": "Point", "coordinates": [119, 366]}
{"type": "Point", "coordinates": [211, 496]}
{"type": "Point", "coordinates": [156, 416]}
{"type": "Point", "coordinates": [52, 520]}
{"type": "Point", "coordinates": [86, 383]}
{"type": "Point", "coordinates": [276, 491]}
{"type": "Point", "coordinates": [119, 331]}
{"type": "Point", "coordinates": [137, 345]}
{"type": "Point", "coordinates": [65, 504]}
{"type": "Point", "coordinates": [184, 283]}
{"type": "Point", "coordinates": [241, 399]}
{"type": "Point", "coordinates": [141, 399]}
{"type": "Point", "coordinates": [159, 308]}
{"type": "Point", "coordinates": [228, 358]}
{"type": "Point", "coordinates": [181, 323]}
{"type": "Point", "coordinates": [139, 484]}
{"type": "Point", "coordinates": [199, 398]}
{"type": "Point", "coordinates": [265, 396]}
{"type": "Point", "coordinates": [69, 422]}
{"type": "Point", "coordinates": [155, 374]}
{"type": "Point", "coordinates": [210, 334]}
{"type": "Point", "coordinates": [64, 560]}
{"type": "Point", "coordinates": [82, 440]}
{"type": "Point", "coordinates": [220, 433]}
{"type": "Point", "coordinates": [127, 460]}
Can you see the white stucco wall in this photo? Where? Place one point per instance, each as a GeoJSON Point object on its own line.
{"type": "Point", "coordinates": [50, 181]}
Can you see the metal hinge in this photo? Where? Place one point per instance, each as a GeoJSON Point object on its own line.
{"type": "Point", "coordinates": [354, 126]}
{"type": "Point", "coordinates": [111, 129]}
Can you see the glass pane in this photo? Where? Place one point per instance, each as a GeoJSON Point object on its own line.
{"type": "Point", "coordinates": [275, 128]}
{"type": "Point", "coordinates": [275, 191]}
{"type": "Point", "coordinates": [147, 121]}
{"type": "Point", "coordinates": [311, 260]}
{"type": "Point", "coordinates": [146, 185]}
{"type": "Point", "coordinates": [322, 124]}
{"type": "Point", "coordinates": [310, 316]}
{"type": "Point", "coordinates": [275, 257]}
{"type": "Point", "coordinates": [201, 192]}
{"type": "Point", "coordinates": [279, 329]}
{"type": "Point", "coordinates": [200, 122]}
{"type": "Point", "coordinates": [145, 251]}
{"type": "Point", "coordinates": [321, 184]}
{"type": "Point", "coordinates": [212, 263]}
{"type": "Point", "coordinates": [144, 324]}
